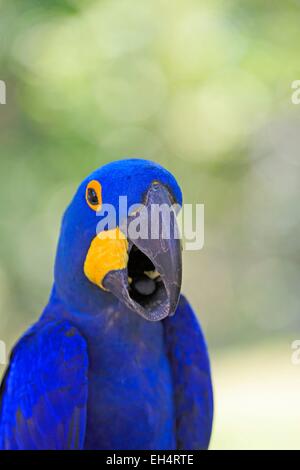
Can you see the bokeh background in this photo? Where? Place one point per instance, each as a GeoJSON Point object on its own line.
{"type": "Point", "coordinates": [204, 88]}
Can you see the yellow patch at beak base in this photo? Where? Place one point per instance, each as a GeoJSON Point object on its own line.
{"type": "Point", "coordinates": [108, 252]}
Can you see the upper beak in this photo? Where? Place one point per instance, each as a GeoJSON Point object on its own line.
{"type": "Point", "coordinates": [163, 248]}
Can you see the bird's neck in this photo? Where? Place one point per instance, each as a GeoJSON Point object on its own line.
{"type": "Point", "coordinates": [97, 319]}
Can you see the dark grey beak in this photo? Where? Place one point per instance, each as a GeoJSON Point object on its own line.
{"type": "Point", "coordinates": [151, 283]}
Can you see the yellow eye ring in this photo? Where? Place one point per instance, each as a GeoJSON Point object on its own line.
{"type": "Point", "coordinates": [93, 195]}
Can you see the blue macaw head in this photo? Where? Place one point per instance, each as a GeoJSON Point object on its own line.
{"type": "Point", "coordinates": [113, 240]}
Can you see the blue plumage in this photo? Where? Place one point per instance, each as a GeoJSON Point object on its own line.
{"type": "Point", "coordinates": [45, 391]}
{"type": "Point", "coordinates": [94, 374]}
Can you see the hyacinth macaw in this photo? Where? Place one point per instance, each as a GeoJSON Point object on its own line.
{"type": "Point", "coordinates": [109, 365]}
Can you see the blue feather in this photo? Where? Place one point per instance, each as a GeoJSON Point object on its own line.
{"type": "Point", "coordinates": [44, 394]}
{"type": "Point", "coordinates": [192, 378]}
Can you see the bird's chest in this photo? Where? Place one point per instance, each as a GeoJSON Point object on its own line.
{"type": "Point", "coordinates": [130, 403]}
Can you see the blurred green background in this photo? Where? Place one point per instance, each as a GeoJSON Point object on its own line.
{"type": "Point", "coordinates": [204, 88]}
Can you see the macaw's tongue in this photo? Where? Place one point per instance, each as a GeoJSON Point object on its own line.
{"type": "Point", "coordinates": [142, 276]}
{"type": "Point", "coordinates": [144, 285]}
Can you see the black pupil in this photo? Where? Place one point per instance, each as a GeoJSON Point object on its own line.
{"type": "Point", "coordinates": [92, 197]}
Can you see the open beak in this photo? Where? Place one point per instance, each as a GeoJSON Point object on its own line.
{"type": "Point", "coordinates": [150, 284]}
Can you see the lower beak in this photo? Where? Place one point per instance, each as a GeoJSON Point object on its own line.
{"type": "Point", "coordinates": [154, 297]}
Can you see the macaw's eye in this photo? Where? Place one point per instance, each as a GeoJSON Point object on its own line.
{"type": "Point", "coordinates": [93, 195]}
